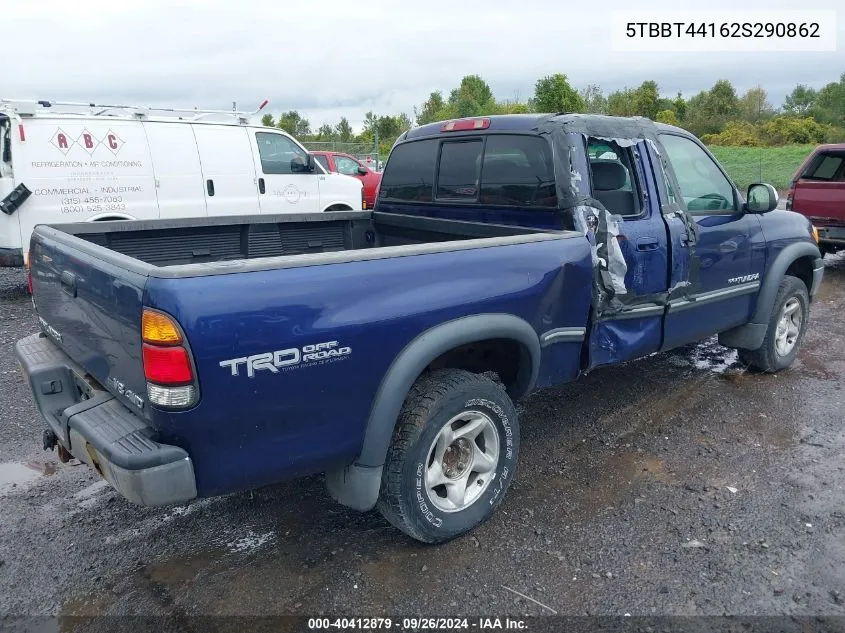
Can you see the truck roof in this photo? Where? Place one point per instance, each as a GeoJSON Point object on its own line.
{"type": "Point", "coordinates": [527, 123]}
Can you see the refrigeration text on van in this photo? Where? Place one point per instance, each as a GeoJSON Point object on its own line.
{"type": "Point", "coordinates": [77, 164]}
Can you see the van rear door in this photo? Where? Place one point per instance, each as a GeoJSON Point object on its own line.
{"type": "Point", "coordinates": [83, 169]}
{"type": "Point", "coordinates": [11, 253]}
{"type": "Point", "coordinates": [228, 170]}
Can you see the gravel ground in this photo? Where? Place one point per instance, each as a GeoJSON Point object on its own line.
{"type": "Point", "coordinates": [676, 485]}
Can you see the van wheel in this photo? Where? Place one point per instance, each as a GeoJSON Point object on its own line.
{"type": "Point", "coordinates": [786, 329]}
{"type": "Point", "coordinates": [452, 457]}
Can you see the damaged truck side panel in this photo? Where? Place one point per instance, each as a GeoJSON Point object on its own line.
{"type": "Point", "coordinates": [532, 248]}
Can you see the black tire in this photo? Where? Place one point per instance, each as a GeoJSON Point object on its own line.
{"type": "Point", "coordinates": [767, 358]}
{"type": "Point", "coordinates": [435, 399]}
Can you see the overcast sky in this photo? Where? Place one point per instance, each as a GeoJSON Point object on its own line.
{"type": "Point", "coordinates": [331, 58]}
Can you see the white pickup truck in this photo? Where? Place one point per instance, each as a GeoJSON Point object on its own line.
{"type": "Point", "coordinates": [124, 163]}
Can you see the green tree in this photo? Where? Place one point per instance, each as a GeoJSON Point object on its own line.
{"type": "Point", "coordinates": [432, 110]}
{"type": "Point", "coordinates": [680, 106]}
{"type": "Point", "coordinates": [294, 124]}
{"type": "Point", "coordinates": [472, 98]}
{"type": "Point", "coordinates": [325, 132]}
{"type": "Point", "coordinates": [344, 131]}
{"type": "Point", "coordinates": [735, 134]}
{"type": "Point", "coordinates": [621, 102]}
{"type": "Point", "coordinates": [554, 94]}
{"type": "Point", "coordinates": [646, 99]}
{"type": "Point", "coordinates": [512, 107]}
{"type": "Point", "coordinates": [800, 100]}
{"type": "Point", "coordinates": [667, 116]}
{"type": "Point", "coordinates": [709, 110]}
{"type": "Point", "coordinates": [784, 130]}
{"type": "Point", "coordinates": [722, 102]}
{"type": "Point", "coordinates": [829, 106]}
{"type": "Point", "coordinates": [594, 100]}
{"type": "Point", "coordinates": [405, 122]}
{"type": "Point", "coordinates": [754, 106]}
{"type": "Point", "coordinates": [267, 121]}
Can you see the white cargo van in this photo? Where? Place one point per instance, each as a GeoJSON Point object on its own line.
{"type": "Point", "coordinates": [124, 163]}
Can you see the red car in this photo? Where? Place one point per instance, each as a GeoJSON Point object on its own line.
{"type": "Point", "coordinates": [349, 166]}
{"type": "Point", "coordinates": [818, 192]}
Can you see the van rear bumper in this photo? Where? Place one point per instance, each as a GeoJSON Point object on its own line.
{"type": "Point", "coordinates": [11, 257]}
{"type": "Point", "coordinates": [100, 431]}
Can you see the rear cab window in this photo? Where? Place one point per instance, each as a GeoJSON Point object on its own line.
{"type": "Point", "coordinates": [491, 169]}
{"type": "Point", "coordinates": [826, 167]}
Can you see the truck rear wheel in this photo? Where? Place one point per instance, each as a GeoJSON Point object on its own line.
{"type": "Point", "coordinates": [452, 456]}
{"type": "Point", "coordinates": [786, 329]}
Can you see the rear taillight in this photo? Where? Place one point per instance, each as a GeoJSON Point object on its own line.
{"type": "Point", "coordinates": [171, 380]}
{"type": "Point", "coordinates": [167, 365]}
{"type": "Point", "coordinates": [790, 196]}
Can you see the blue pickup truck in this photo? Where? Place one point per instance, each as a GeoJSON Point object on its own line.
{"type": "Point", "coordinates": [385, 348]}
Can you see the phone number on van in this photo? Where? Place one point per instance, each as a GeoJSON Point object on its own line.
{"type": "Point", "coordinates": [95, 204]}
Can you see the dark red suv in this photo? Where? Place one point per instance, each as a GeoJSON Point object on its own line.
{"type": "Point", "coordinates": [818, 192]}
{"type": "Point", "coordinates": [345, 164]}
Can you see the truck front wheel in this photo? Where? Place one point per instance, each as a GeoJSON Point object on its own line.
{"type": "Point", "coordinates": [786, 329]}
{"type": "Point", "coordinates": [452, 456]}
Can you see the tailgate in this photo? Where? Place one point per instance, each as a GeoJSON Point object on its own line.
{"type": "Point", "coordinates": [92, 309]}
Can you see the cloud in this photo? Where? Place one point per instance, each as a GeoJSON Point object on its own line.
{"type": "Point", "coordinates": [340, 58]}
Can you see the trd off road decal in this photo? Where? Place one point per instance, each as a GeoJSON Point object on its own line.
{"type": "Point", "coordinates": [287, 359]}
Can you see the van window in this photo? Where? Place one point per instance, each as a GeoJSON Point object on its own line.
{"type": "Point", "coordinates": [320, 158]}
{"type": "Point", "coordinates": [499, 169]}
{"type": "Point", "coordinates": [409, 175]}
{"type": "Point", "coordinates": [280, 155]}
{"type": "Point", "coordinates": [825, 167]}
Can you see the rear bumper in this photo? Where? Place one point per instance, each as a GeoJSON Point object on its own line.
{"type": "Point", "coordinates": [11, 257]}
{"type": "Point", "coordinates": [831, 235]}
{"type": "Point", "coordinates": [98, 430]}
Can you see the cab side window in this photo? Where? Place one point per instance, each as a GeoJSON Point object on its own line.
{"type": "Point", "coordinates": [280, 155]}
{"type": "Point", "coordinates": [702, 184]}
{"type": "Point", "coordinates": [346, 166]}
{"type": "Point", "coordinates": [826, 167]}
{"type": "Point", "coordinates": [613, 178]}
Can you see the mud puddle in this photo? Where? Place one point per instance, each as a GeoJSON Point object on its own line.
{"type": "Point", "coordinates": [14, 474]}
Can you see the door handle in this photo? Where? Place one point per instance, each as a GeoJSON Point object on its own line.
{"type": "Point", "coordinates": [209, 186]}
{"type": "Point", "coordinates": [648, 244]}
{"type": "Point", "coordinates": [261, 188]}
{"type": "Point", "coordinates": [68, 280]}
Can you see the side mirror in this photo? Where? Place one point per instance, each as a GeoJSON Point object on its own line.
{"type": "Point", "coordinates": [762, 198]}
{"type": "Point", "coordinates": [362, 171]}
{"type": "Point", "coordinates": [311, 164]}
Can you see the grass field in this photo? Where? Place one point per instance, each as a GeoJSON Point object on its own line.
{"type": "Point", "coordinates": [774, 165]}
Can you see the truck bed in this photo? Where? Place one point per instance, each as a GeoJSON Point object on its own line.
{"type": "Point", "coordinates": [163, 243]}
